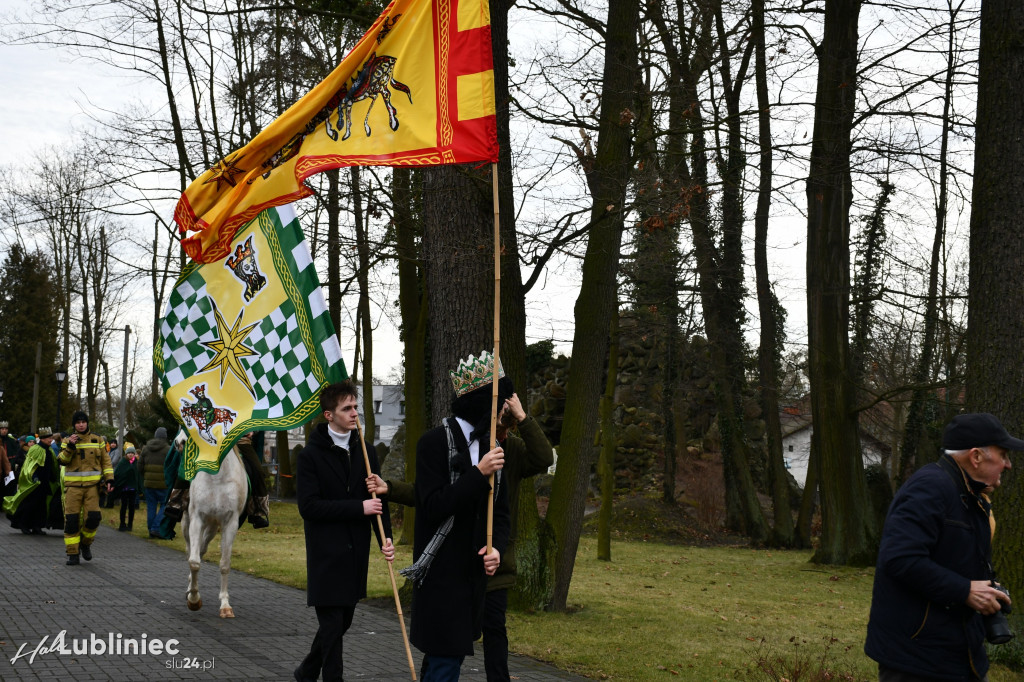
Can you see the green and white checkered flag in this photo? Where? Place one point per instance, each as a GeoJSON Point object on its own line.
{"type": "Point", "coordinates": [247, 343]}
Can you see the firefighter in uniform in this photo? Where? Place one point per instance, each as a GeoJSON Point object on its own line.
{"type": "Point", "coordinates": [84, 456]}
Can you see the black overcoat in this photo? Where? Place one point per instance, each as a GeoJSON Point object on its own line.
{"type": "Point", "coordinates": [330, 496]}
{"type": "Point", "coordinates": [448, 605]}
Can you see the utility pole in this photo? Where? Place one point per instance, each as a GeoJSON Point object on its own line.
{"type": "Point", "coordinates": [124, 389]}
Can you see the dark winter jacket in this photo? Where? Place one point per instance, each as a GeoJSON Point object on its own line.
{"type": "Point", "coordinates": [127, 475]}
{"type": "Point", "coordinates": [527, 455]}
{"type": "Point", "coordinates": [151, 460]}
{"type": "Point", "coordinates": [448, 605]}
{"type": "Point", "coordinates": [330, 487]}
{"type": "Point", "coordinates": [937, 539]}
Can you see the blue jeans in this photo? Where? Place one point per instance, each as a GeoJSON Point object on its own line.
{"type": "Point", "coordinates": [154, 509]}
{"type": "Point", "coordinates": [441, 668]}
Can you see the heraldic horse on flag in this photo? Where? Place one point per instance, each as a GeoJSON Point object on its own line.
{"type": "Point", "coordinates": [205, 416]}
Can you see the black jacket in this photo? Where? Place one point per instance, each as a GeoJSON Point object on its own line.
{"type": "Point", "coordinates": [937, 539]}
{"type": "Point", "coordinates": [448, 606]}
{"type": "Point", "coordinates": [330, 496]}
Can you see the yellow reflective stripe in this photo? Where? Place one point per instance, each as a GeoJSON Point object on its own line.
{"type": "Point", "coordinates": [80, 480]}
{"type": "Point", "coordinates": [108, 471]}
{"type": "Point", "coordinates": [73, 540]}
{"type": "Point", "coordinates": [86, 533]}
{"type": "Point", "coordinates": [88, 446]}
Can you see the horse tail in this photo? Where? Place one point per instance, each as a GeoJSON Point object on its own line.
{"type": "Point", "coordinates": [401, 87]}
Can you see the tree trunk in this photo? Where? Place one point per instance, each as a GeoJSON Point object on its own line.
{"type": "Point", "coordinates": [185, 171]}
{"type": "Point", "coordinates": [809, 500]}
{"type": "Point", "coordinates": [996, 290]}
{"type": "Point", "coordinates": [363, 278]}
{"type": "Point", "coordinates": [768, 306]}
{"type": "Point", "coordinates": [596, 301]}
{"type": "Point", "coordinates": [848, 533]}
{"type": "Point", "coordinates": [412, 298]}
{"type": "Point", "coordinates": [334, 248]}
{"type": "Point", "coordinates": [458, 254]}
{"type": "Point", "coordinates": [606, 464]}
{"type": "Point", "coordinates": [284, 463]}
{"type": "Point", "coordinates": [528, 530]}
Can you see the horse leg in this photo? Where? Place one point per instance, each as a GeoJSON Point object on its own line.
{"type": "Point", "coordinates": [227, 539]}
{"type": "Point", "coordinates": [345, 112]}
{"type": "Point", "coordinates": [392, 112]}
{"type": "Point", "coordinates": [366, 121]}
{"type": "Point", "coordinates": [331, 132]}
{"type": "Point", "coordinates": [192, 540]}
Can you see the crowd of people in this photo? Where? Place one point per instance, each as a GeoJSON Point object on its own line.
{"type": "Point", "coordinates": [935, 602]}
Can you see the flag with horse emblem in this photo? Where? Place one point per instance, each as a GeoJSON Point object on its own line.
{"type": "Point", "coordinates": [247, 342]}
{"type": "Point", "coordinates": [417, 90]}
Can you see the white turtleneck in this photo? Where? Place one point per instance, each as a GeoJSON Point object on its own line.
{"type": "Point", "coordinates": [340, 438]}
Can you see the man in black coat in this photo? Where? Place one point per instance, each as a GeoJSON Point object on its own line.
{"type": "Point", "coordinates": [337, 514]}
{"type": "Point", "coordinates": [453, 465]}
{"type": "Point", "coordinates": [933, 582]}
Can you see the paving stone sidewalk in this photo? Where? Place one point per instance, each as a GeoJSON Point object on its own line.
{"type": "Point", "coordinates": [135, 589]}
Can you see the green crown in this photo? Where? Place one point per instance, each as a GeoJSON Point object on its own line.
{"type": "Point", "coordinates": [473, 373]}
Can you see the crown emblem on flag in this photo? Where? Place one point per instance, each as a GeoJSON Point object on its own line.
{"type": "Point", "coordinates": [474, 372]}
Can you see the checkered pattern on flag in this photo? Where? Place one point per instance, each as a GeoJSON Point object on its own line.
{"type": "Point", "coordinates": [247, 343]}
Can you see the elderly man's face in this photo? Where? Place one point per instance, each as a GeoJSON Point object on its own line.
{"type": "Point", "coordinates": [994, 461]}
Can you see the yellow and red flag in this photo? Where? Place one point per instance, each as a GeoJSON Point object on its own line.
{"type": "Point", "coordinates": [416, 90]}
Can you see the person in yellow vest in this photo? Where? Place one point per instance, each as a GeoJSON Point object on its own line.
{"type": "Point", "coordinates": [84, 456]}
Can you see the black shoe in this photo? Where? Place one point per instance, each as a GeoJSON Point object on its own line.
{"type": "Point", "coordinates": [122, 527]}
{"type": "Point", "coordinates": [300, 678]}
{"type": "Point", "coordinates": [86, 552]}
{"type": "Point", "coordinates": [72, 560]}
{"type": "Point", "coordinates": [38, 531]}
{"type": "Point", "coordinates": [154, 536]}
{"type": "Point", "coordinates": [26, 531]}
{"type": "Point", "coordinates": [259, 522]}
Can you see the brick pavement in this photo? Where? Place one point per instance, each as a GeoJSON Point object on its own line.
{"type": "Point", "coordinates": [135, 587]}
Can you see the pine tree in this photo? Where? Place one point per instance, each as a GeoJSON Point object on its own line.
{"type": "Point", "coordinates": [29, 317]}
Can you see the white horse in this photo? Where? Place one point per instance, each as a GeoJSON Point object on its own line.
{"type": "Point", "coordinates": [215, 504]}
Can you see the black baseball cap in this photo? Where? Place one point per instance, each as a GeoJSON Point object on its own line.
{"type": "Point", "coordinates": [976, 430]}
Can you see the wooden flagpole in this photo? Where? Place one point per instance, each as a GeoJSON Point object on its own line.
{"type": "Point", "coordinates": [391, 567]}
{"type": "Point", "coordinates": [497, 347]}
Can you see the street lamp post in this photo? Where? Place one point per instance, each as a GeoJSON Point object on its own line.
{"type": "Point", "coordinates": [62, 374]}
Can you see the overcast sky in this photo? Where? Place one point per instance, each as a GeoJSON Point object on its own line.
{"type": "Point", "coordinates": [46, 96]}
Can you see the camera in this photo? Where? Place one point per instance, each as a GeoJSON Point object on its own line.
{"type": "Point", "coordinates": [997, 630]}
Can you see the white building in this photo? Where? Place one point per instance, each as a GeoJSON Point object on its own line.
{"type": "Point", "coordinates": [388, 415]}
{"type": "Point", "coordinates": [388, 412]}
{"type": "Point", "coordinates": [797, 429]}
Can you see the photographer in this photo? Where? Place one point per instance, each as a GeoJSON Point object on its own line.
{"type": "Point", "coordinates": [934, 594]}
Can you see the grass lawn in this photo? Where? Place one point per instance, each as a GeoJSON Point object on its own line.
{"type": "Point", "coordinates": [655, 611]}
